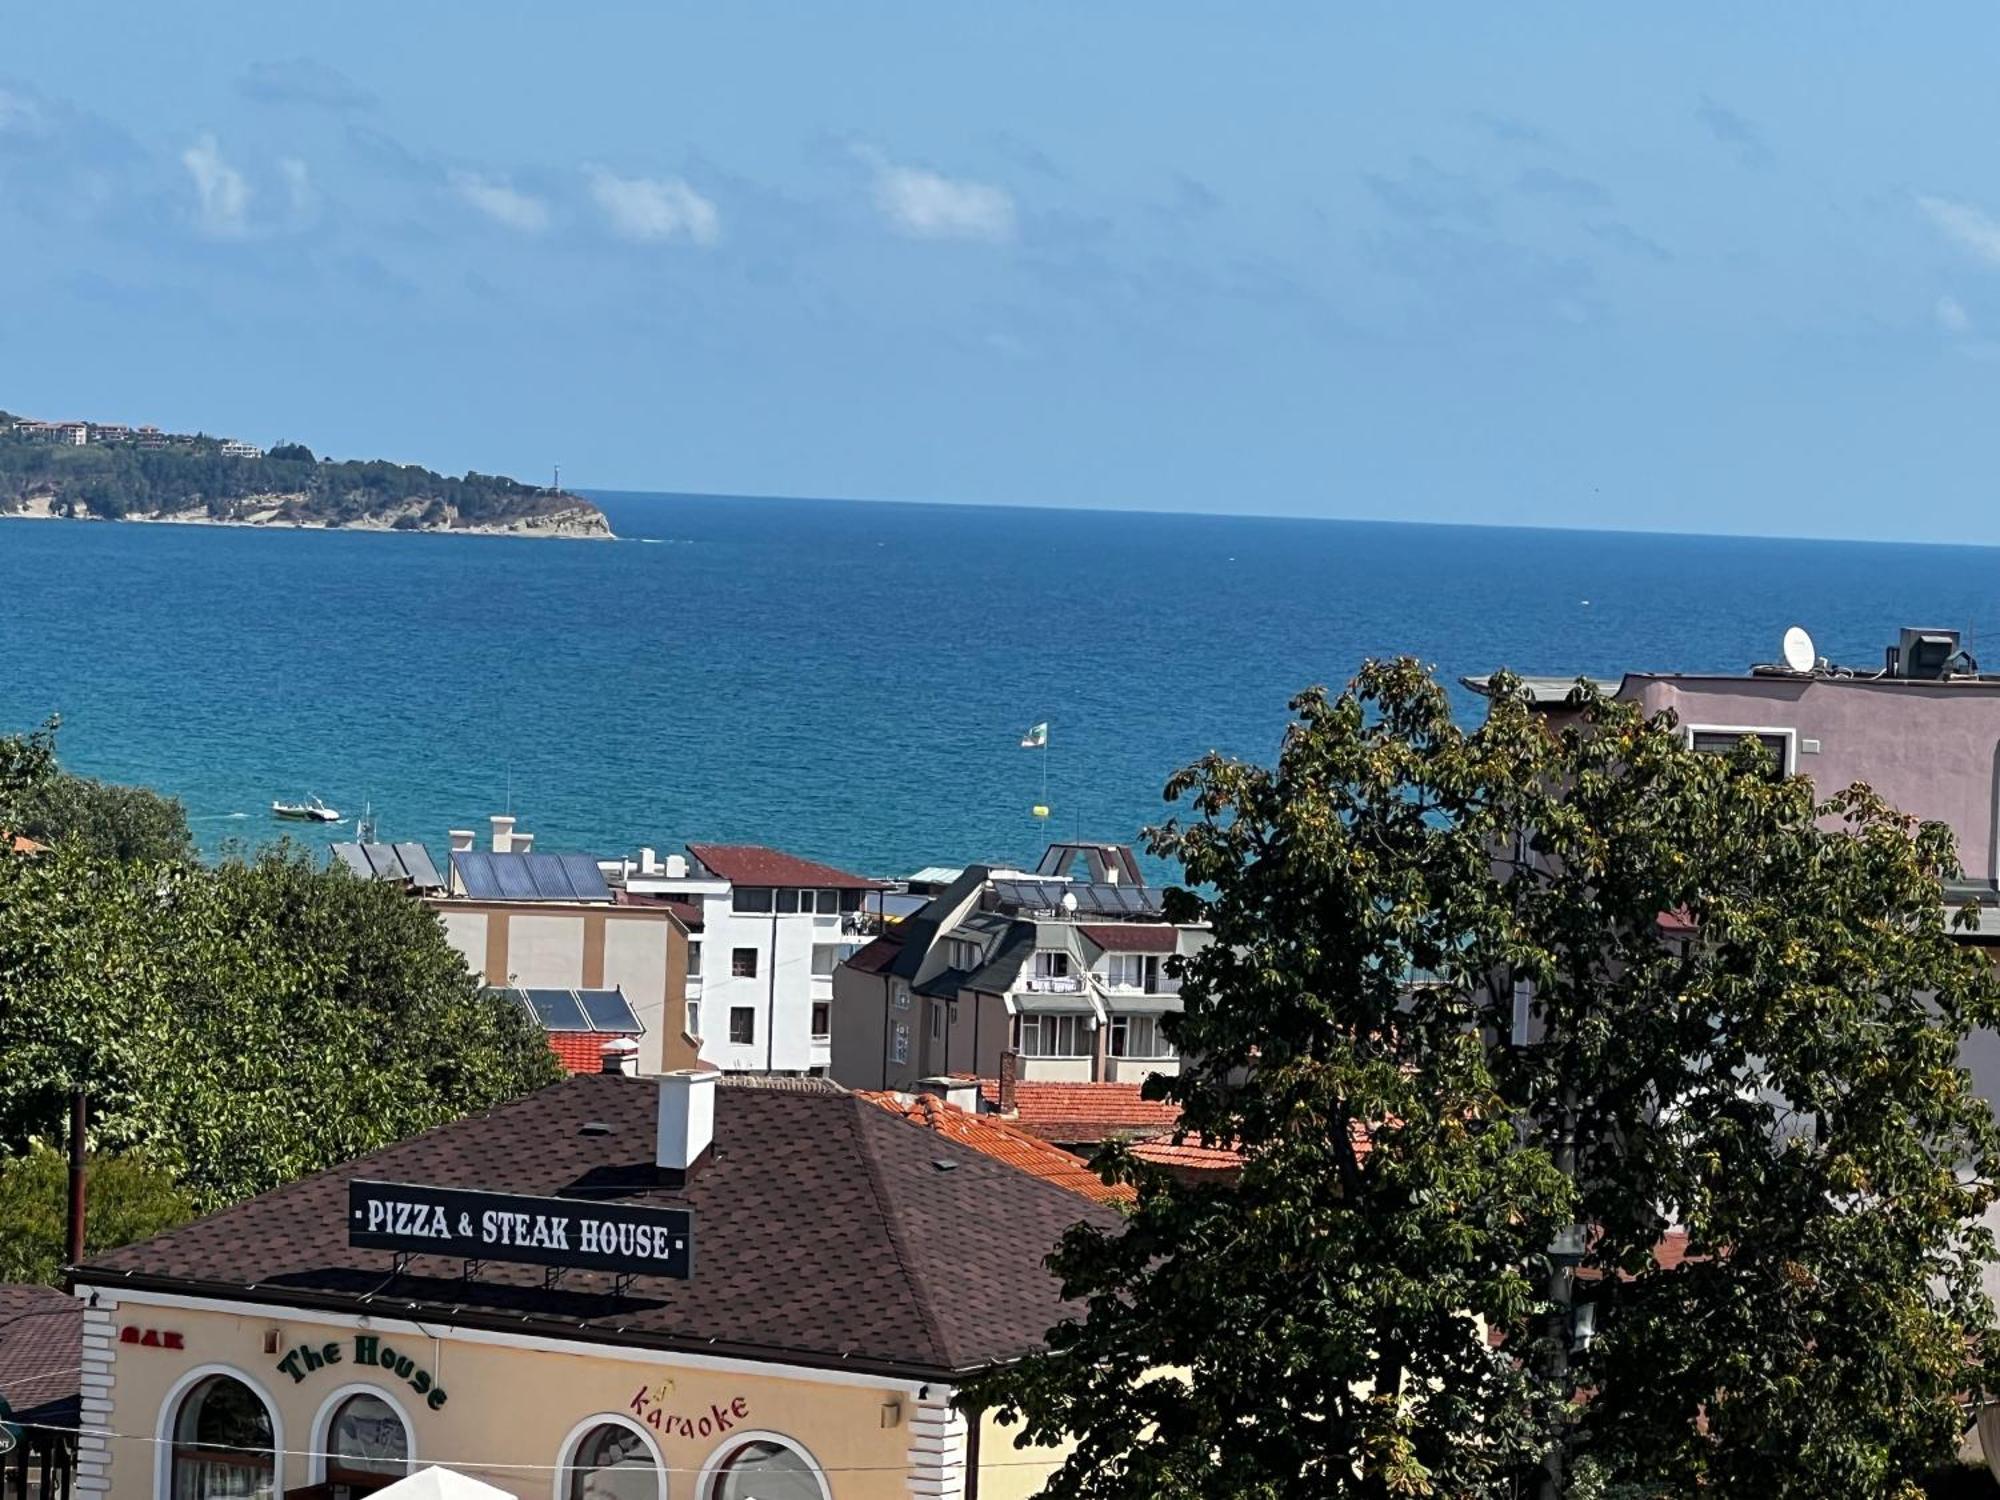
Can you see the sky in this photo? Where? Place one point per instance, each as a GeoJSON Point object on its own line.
{"type": "Point", "coordinates": [1703, 269]}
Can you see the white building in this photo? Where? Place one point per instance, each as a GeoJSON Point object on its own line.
{"type": "Point", "coordinates": [772, 929]}
{"type": "Point", "coordinates": [237, 449]}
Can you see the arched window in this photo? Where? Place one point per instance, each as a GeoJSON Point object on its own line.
{"type": "Point", "coordinates": [367, 1445]}
{"type": "Point", "coordinates": [612, 1462]}
{"type": "Point", "coordinates": [223, 1449]}
{"type": "Point", "coordinates": [764, 1470]}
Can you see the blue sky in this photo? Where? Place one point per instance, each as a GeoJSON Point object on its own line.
{"type": "Point", "coordinates": [1709, 270]}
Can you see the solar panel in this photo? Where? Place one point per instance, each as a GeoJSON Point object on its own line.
{"type": "Point", "coordinates": [417, 861]}
{"type": "Point", "coordinates": [475, 875]}
{"type": "Point", "coordinates": [585, 878]}
{"type": "Point", "coordinates": [353, 856]}
{"type": "Point", "coordinates": [607, 1011]}
{"type": "Point", "coordinates": [557, 1010]}
{"type": "Point", "coordinates": [511, 876]}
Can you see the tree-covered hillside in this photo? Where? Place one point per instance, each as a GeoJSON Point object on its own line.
{"type": "Point", "coordinates": [194, 476]}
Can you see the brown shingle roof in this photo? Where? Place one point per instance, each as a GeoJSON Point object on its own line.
{"type": "Point", "coordinates": [826, 1233]}
{"type": "Point", "coordinates": [754, 864]}
{"type": "Point", "coordinates": [41, 1345]}
{"type": "Point", "coordinates": [876, 956]}
{"type": "Point", "coordinates": [1005, 1142]}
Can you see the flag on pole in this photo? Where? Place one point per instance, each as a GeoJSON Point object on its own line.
{"type": "Point", "coordinates": [1036, 738]}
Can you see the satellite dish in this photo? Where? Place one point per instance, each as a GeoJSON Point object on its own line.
{"type": "Point", "coordinates": [1799, 650]}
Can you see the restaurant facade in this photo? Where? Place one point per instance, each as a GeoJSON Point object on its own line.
{"type": "Point", "coordinates": [620, 1288]}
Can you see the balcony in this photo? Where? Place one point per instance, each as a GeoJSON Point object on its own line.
{"type": "Point", "coordinates": [1052, 984]}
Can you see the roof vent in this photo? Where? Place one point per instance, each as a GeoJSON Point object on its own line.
{"type": "Point", "coordinates": [1922, 655]}
{"type": "Point", "coordinates": [941, 1165]}
{"type": "Point", "coordinates": [593, 1127]}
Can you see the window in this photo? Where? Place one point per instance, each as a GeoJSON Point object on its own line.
{"type": "Point", "coordinates": [1055, 1036]}
{"type": "Point", "coordinates": [1718, 740]}
{"type": "Point", "coordinates": [825, 957]}
{"type": "Point", "coordinates": [822, 1020]}
{"type": "Point", "coordinates": [694, 959]}
{"type": "Point", "coordinates": [750, 898]}
{"type": "Point", "coordinates": [743, 962]}
{"type": "Point", "coordinates": [1125, 971]}
{"type": "Point", "coordinates": [899, 1047]}
{"type": "Point", "coordinates": [788, 901]}
{"type": "Point", "coordinates": [765, 1470]}
{"type": "Point", "coordinates": [937, 1020]}
{"type": "Point", "coordinates": [612, 1462]}
{"type": "Point", "coordinates": [851, 900]}
{"type": "Point", "coordinates": [1139, 1036]}
{"type": "Point", "coordinates": [902, 993]}
{"type": "Point", "coordinates": [364, 1443]}
{"type": "Point", "coordinates": [1051, 965]}
{"type": "Point", "coordinates": [742, 1025]}
{"type": "Point", "coordinates": [694, 1019]}
{"type": "Point", "coordinates": [829, 903]}
{"type": "Point", "coordinates": [223, 1447]}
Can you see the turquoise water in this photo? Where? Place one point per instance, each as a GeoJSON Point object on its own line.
{"type": "Point", "coordinates": [847, 680]}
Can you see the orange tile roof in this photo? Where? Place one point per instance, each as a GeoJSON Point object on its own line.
{"type": "Point", "coordinates": [1083, 1111]}
{"type": "Point", "coordinates": [1188, 1156]}
{"type": "Point", "coordinates": [20, 843]}
{"type": "Point", "coordinates": [579, 1051]}
{"type": "Point", "coordinates": [1004, 1142]}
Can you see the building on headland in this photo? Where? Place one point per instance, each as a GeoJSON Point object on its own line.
{"type": "Point", "coordinates": [693, 1287]}
{"type": "Point", "coordinates": [234, 448]}
{"type": "Point", "coordinates": [1069, 967]}
{"type": "Point", "coordinates": [771, 929]}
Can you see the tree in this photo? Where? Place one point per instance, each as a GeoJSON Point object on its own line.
{"type": "Point", "coordinates": [243, 1025]}
{"type": "Point", "coordinates": [1740, 1012]}
{"type": "Point", "coordinates": [130, 1198]}
{"type": "Point", "coordinates": [40, 800]}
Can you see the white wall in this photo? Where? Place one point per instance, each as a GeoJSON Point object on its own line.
{"type": "Point", "coordinates": [781, 995]}
{"type": "Point", "coordinates": [635, 961]}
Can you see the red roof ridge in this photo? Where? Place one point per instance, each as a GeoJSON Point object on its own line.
{"type": "Point", "coordinates": [760, 864]}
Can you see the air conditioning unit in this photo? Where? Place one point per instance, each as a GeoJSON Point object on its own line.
{"type": "Point", "coordinates": [1922, 654]}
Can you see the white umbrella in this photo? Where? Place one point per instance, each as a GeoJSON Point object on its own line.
{"type": "Point", "coordinates": [436, 1483]}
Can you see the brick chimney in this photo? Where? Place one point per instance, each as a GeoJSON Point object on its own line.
{"type": "Point", "coordinates": [1010, 1072]}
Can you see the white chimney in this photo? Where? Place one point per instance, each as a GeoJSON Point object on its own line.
{"type": "Point", "coordinates": [687, 1118]}
{"type": "Point", "coordinates": [524, 843]}
{"type": "Point", "coordinates": [621, 1055]}
{"type": "Point", "coordinates": [503, 833]}
{"type": "Point", "coordinates": [461, 840]}
{"type": "Point", "coordinates": [649, 861]}
{"type": "Point", "coordinates": [960, 1093]}
{"type": "Point", "coordinates": [677, 867]}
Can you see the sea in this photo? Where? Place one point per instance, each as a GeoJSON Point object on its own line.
{"type": "Point", "coordinates": [847, 680]}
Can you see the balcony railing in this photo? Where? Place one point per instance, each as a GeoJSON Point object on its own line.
{"type": "Point", "coordinates": [1053, 984]}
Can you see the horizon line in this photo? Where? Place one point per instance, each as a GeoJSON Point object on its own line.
{"type": "Point", "coordinates": [594, 491]}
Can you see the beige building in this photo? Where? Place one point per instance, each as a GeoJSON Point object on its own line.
{"type": "Point", "coordinates": [694, 1287]}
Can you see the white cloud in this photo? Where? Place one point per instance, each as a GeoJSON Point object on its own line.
{"type": "Point", "coordinates": [298, 184]}
{"type": "Point", "coordinates": [1952, 316]}
{"type": "Point", "coordinates": [930, 206]}
{"type": "Point", "coordinates": [223, 195]}
{"type": "Point", "coordinates": [654, 208]}
{"type": "Point", "coordinates": [501, 202]}
{"type": "Point", "coordinates": [1971, 228]}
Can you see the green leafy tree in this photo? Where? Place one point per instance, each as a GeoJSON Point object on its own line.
{"type": "Point", "coordinates": [244, 1025]}
{"type": "Point", "coordinates": [129, 1198]}
{"type": "Point", "coordinates": [1740, 1013]}
{"type": "Point", "coordinates": [42, 801]}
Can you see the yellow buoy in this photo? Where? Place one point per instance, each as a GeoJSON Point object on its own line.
{"type": "Point", "coordinates": [1041, 811]}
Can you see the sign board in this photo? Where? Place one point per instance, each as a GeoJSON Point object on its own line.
{"type": "Point", "coordinates": [573, 1233]}
{"type": "Point", "coordinates": [10, 1435]}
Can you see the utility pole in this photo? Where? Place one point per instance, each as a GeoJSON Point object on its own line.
{"type": "Point", "coordinates": [78, 1102]}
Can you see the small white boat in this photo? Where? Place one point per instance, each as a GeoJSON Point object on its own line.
{"type": "Point", "coordinates": [312, 810]}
